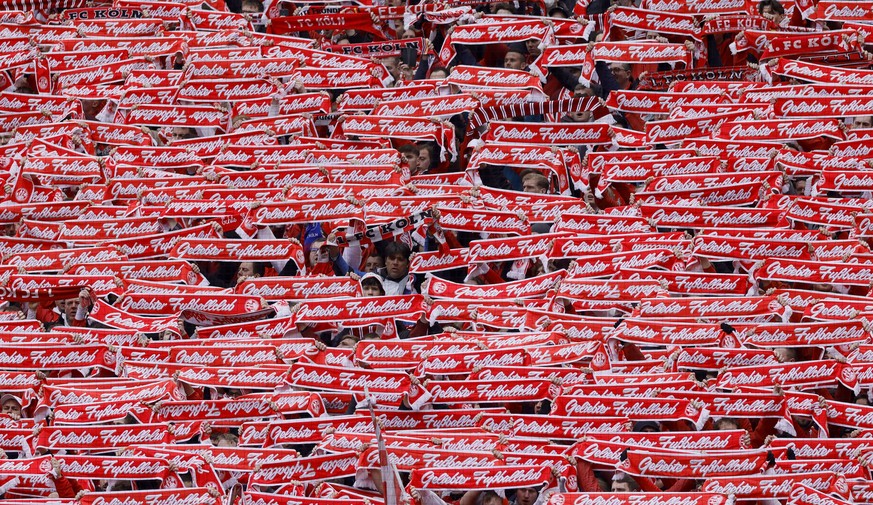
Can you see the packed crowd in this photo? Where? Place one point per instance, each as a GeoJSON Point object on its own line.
{"type": "Point", "coordinates": [477, 253]}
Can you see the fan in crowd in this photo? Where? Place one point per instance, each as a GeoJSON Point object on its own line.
{"type": "Point", "coordinates": [476, 253]}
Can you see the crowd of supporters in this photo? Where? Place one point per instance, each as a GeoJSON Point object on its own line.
{"type": "Point", "coordinates": [475, 253]}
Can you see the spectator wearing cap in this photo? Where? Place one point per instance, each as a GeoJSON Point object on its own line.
{"type": "Point", "coordinates": [647, 427]}
{"type": "Point", "coordinates": [371, 285]}
{"type": "Point", "coordinates": [559, 11]}
{"type": "Point", "coordinates": [323, 255]}
{"type": "Point", "coordinates": [11, 406]}
{"type": "Point", "coordinates": [525, 496]}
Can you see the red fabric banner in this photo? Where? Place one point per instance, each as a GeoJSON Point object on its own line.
{"type": "Point", "coordinates": [651, 463]}
{"type": "Point", "coordinates": [496, 477]}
